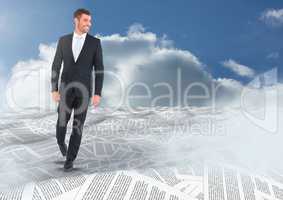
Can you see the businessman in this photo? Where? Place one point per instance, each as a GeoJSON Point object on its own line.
{"type": "Point", "coordinates": [80, 53]}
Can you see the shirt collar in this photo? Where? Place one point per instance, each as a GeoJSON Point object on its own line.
{"type": "Point", "coordinates": [79, 36]}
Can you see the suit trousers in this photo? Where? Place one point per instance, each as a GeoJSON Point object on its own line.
{"type": "Point", "coordinates": [71, 101]}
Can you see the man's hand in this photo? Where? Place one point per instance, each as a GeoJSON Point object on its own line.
{"type": "Point", "coordinates": [95, 100]}
{"type": "Point", "coordinates": [56, 96]}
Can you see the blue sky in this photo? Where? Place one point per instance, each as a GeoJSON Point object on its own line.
{"type": "Point", "coordinates": [213, 31]}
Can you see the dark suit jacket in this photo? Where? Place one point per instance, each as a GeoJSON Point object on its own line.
{"type": "Point", "coordinates": [81, 70]}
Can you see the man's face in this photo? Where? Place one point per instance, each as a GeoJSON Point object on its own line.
{"type": "Point", "coordinates": [83, 23]}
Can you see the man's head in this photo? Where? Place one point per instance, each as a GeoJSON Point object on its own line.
{"type": "Point", "coordinates": [82, 20]}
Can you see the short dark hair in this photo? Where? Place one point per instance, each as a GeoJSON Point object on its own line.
{"type": "Point", "coordinates": [81, 11]}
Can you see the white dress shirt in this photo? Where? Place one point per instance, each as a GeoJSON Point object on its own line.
{"type": "Point", "coordinates": [77, 44]}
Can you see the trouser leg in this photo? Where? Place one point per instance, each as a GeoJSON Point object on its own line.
{"type": "Point", "coordinates": [80, 112]}
{"type": "Point", "coordinates": [64, 113]}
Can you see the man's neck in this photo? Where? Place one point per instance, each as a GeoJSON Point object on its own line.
{"type": "Point", "coordinates": [79, 32]}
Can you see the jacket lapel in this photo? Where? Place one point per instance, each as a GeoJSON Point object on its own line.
{"type": "Point", "coordinates": [69, 48]}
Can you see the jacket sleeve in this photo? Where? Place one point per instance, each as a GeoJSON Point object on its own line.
{"type": "Point", "coordinates": [98, 69]}
{"type": "Point", "coordinates": [56, 66]}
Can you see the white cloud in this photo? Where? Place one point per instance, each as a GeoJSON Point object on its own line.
{"type": "Point", "coordinates": [239, 69]}
{"type": "Point", "coordinates": [137, 57]}
{"type": "Point", "coordinates": [231, 83]}
{"type": "Point", "coordinates": [29, 84]}
{"type": "Point", "coordinates": [3, 81]}
{"type": "Point", "coordinates": [143, 57]}
{"type": "Point", "coordinates": [273, 17]}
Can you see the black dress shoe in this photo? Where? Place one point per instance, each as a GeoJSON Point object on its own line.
{"type": "Point", "coordinates": [68, 166]}
{"type": "Point", "coordinates": [63, 149]}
